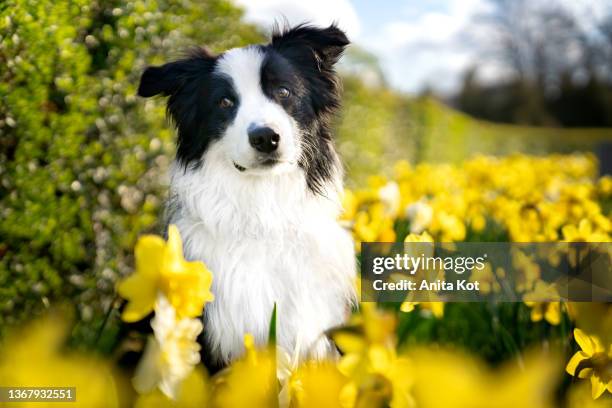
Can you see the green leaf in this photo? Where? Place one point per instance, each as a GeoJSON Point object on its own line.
{"type": "Point", "coordinates": [272, 331]}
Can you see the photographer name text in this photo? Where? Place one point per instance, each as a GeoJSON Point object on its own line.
{"type": "Point", "coordinates": [425, 285]}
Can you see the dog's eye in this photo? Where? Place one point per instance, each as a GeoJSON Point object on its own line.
{"type": "Point", "coordinates": [226, 103]}
{"type": "Point", "coordinates": [282, 92]}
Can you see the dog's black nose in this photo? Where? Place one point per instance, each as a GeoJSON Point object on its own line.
{"type": "Point", "coordinates": [264, 139]}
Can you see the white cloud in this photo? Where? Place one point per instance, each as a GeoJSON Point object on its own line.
{"type": "Point", "coordinates": [319, 12]}
{"type": "Point", "coordinates": [428, 48]}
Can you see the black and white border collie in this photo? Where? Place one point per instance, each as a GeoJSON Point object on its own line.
{"type": "Point", "coordinates": [255, 187]}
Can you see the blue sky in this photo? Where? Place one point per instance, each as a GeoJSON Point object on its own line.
{"type": "Point", "coordinates": [419, 42]}
{"type": "Point", "coordinates": [373, 15]}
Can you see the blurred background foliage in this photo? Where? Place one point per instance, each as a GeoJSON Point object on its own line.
{"type": "Point", "coordinates": [83, 161]}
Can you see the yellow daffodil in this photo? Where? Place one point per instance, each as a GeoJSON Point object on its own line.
{"type": "Point", "coordinates": [161, 267]}
{"type": "Point", "coordinates": [419, 245]}
{"type": "Point", "coordinates": [415, 246]}
{"type": "Point", "coordinates": [171, 354]}
{"type": "Point", "coordinates": [374, 225]}
{"type": "Point", "coordinates": [605, 186]}
{"type": "Point", "coordinates": [389, 195]}
{"type": "Point", "coordinates": [478, 222]}
{"type": "Point", "coordinates": [377, 375]}
{"type": "Point", "coordinates": [579, 396]}
{"type": "Point", "coordinates": [594, 318]}
{"type": "Point", "coordinates": [383, 378]}
{"type": "Point", "coordinates": [318, 384]}
{"type": "Point", "coordinates": [487, 279]}
{"type": "Point", "coordinates": [527, 268]}
{"type": "Point", "coordinates": [349, 204]}
{"type": "Point", "coordinates": [531, 198]}
{"type": "Point", "coordinates": [193, 392]}
{"type": "Point", "coordinates": [593, 361]}
{"type": "Point", "coordinates": [34, 356]}
{"type": "Point", "coordinates": [453, 380]}
{"type": "Point", "coordinates": [408, 307]}
{"type": "Point", "coordinates": [548, 310]}
{"type": "Point", "coordinates": [248, 382]}
{"type": "Point", "coordinates": [435, 308]}
{"type": "Point", "coordinates": [286, 367]}
{"type": "Point", "coordinates": [420, 215]}
{"type": "Point", "coordinates": [449, 226]}
{"type": "Point", "coordinates": [583, 233]}
{"type": "Point", "coordinates": [371, 326]}
{"type": "Point", "coordinates": [402, 170]}
{"type": "Point", "coordinates": [424, 237]}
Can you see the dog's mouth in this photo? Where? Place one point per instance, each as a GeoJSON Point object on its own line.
{"type": "Point", "coordinates": [269, 162]}
{"type": "Point", "coordinates": [264, 163]}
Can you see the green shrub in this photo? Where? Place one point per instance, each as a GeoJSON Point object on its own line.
{"type": "Point", "coordinates": [82, 160]}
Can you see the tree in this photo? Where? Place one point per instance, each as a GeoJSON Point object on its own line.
{"type": "Point", "coordinates": [552, 62]}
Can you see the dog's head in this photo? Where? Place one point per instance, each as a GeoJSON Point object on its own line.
{"type": "Point", "coordinates": [261, 108]}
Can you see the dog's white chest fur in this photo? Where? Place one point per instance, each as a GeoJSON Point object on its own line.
{"type": "Point", "coordinates": [266, 240]}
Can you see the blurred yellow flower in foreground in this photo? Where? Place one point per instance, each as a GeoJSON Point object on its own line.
{"type": "Point", "coordinates": [593, 361]}
{"type": "Point", "coordinates": [171, 354]}
{"type": "Point", "coordinates": [248, 382]}
{"type": "Point", "coordinates": [161, 267]}
{"type": "Point", "coordinates": [378, 376]}
{"type": "Point", "coordinates": [453, 380]}
{"type": "Point", "coordinates": [32, 357]}
{"type": "Point", "coordinates": [386, 380]}
{"type": "Point", "coordinates": [194, 392]}
{"type": "Point", "coordinates": [317, 384]}
{"type": "Point", "coordinates": [579, 396]}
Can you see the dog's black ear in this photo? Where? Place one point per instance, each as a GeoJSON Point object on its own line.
{"type": "Point", "coordinates": [324, 45]}
{"type": "Point", "coordinates": [158, 80]}
{"type": "Point", "coordinates": [168, 78]}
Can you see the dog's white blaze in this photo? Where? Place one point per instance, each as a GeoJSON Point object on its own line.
{"type": "Point", "coordinates": [266, 240]}
{"type": "Point", "coordinates": [243, 67]}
